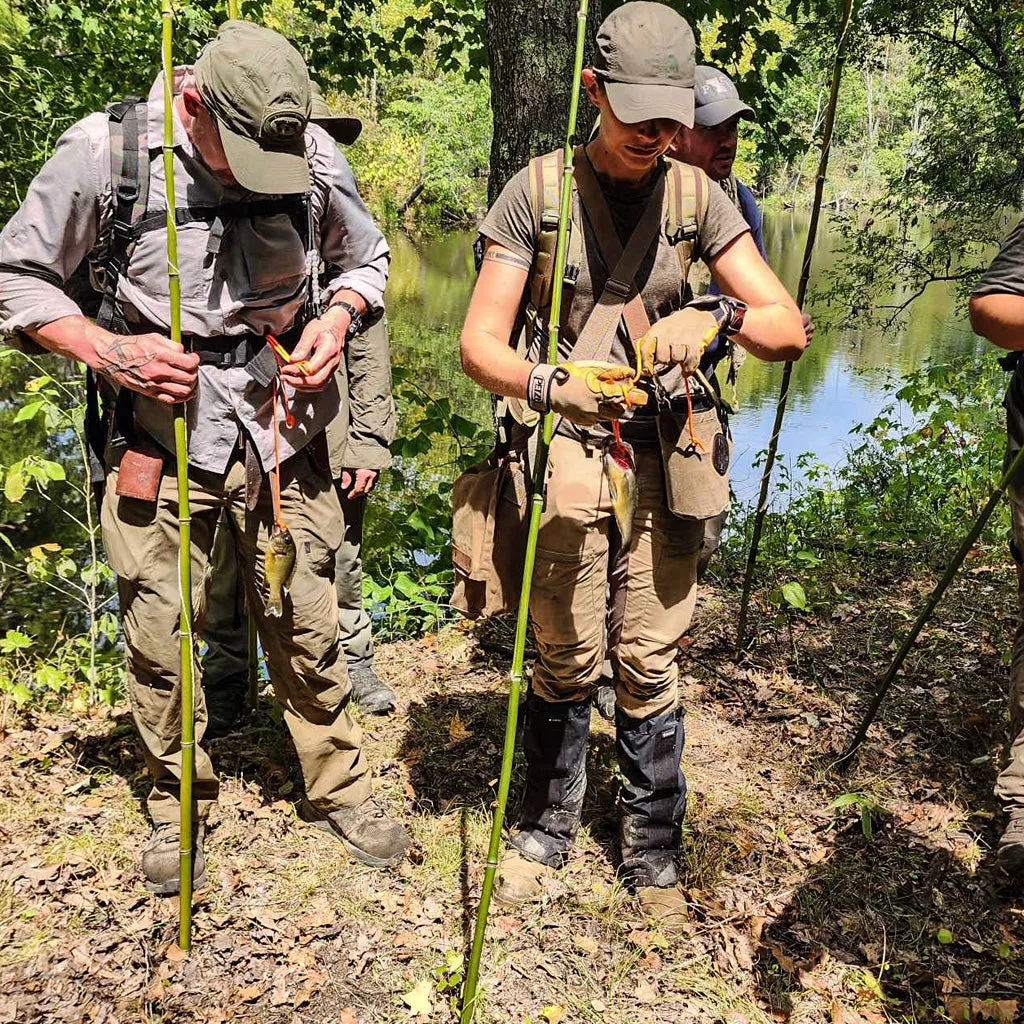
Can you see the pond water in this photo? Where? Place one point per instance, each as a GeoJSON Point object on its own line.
{"type": "Point", "coordinates": [840, 381]}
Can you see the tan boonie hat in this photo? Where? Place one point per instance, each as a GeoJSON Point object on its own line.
{"type": "Point", "coordinates": [342, 129]}
{"type": "Point", "coordinates": [646, 59]}
{"type": "Point", "coordinates": [255, 84]}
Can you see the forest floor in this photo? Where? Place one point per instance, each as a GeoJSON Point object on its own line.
{"type": "Point", "coordinates": [886, 908]}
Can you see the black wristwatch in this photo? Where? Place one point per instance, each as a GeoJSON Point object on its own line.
{"type": "Point", "coordinates": [730, 316]}
{"type": "Point", "coordinates": [356, 324]}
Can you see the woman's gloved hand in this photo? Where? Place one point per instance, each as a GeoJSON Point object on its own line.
{"type": "Point", "coordinates": [585, 392]}
{"type": "Point", "coordinates": [680, 337]}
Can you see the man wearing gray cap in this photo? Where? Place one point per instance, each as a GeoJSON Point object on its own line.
{"type": "Point", "coordinates": [262, 198]}
{"type": "Point", "coordinates": [710, 144]}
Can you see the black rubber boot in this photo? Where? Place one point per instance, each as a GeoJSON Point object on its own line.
{"type": "Point", "coordinates": [653, 798]}
{"type": "Point", "coordinates": [226, 701]}
{"type": "Point", "coordinates": [604, 692]}
{"type": "Point", "coordinates": [604, 701]}
{"type": "Point", "coordinates": [369, 692]}
{"type": "Point", "coordinates": [555, 745]}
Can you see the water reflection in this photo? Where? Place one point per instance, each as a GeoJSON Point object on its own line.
{"type": "Point", "coordinates": [839, 382]}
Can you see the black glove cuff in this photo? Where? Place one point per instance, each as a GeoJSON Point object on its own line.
{"type": "Point", "coordinates": [542, 379]}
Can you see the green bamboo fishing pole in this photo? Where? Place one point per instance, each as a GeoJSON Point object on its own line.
{"type": "Point", "coordinates": [185, 638]}
{"type": "Point", "coordinates": [801, 295]}
{"type": "Point", "coordinates": [536, 507]}
{"type": "Point", "coordinates": [936, 595]}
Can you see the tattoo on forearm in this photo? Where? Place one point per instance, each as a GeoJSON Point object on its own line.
{"type": "Point", "coordinates": [124, 361]}
{"type": "Point", "coordinates": [501, 256]}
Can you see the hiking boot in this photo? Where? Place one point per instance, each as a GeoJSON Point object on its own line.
{"type": "Point", "coordinates": [604, 701]}
{"type": "Point", "coordinates": [519, 880]}
{"type": "Point", "coordinates": [366, 831]}
{"type": "Point", "coordinates": [652, 799]}
{"type": "Point", "coordinates": [369, 692]}
{"type": "Point", "coordinates": [161, 863]}
{"type": "Point", "coordinates": [664, 907]}
{"type": "Point", "coordinates": [226, 701]}
{"type": "Point", "coordinates": [1010, 853]}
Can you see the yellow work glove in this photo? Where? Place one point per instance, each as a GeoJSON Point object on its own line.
{"type": "Point", "coordinates": [585, 392]}
{"type": "Point", "coordinates": [680, 337]}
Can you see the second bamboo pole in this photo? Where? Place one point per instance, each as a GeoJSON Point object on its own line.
{"type": "Point", "coordinates": [801, 295]}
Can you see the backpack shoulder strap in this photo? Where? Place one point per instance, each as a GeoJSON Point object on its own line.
{"type": "Point", "coordinates": [688, 193]}
{"type": "Point", "coordinates": [546, 174]}
{"type": "Point", "coordinates": [129, 188]}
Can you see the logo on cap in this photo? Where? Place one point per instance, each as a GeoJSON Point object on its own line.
{"type": "Point", "coordinates": [282, 126]}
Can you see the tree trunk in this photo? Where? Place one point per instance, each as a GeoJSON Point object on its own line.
{"type": "Point", "coordinates": [530, 46]}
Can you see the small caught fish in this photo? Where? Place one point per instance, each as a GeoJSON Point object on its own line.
{"type": "Point", "coordinates": [620, 470]}
{"type": "Point", "coordinates": [279, 565]}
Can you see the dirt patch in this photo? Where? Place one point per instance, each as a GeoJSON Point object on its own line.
{"type": "Point", "coordinates": [884, 907]}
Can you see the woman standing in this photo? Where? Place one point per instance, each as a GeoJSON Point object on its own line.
{"type": "Point", "coordinates": [618, 574]}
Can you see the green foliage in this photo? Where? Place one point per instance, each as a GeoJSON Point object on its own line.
{"type": "Point", "coordinates": [964, 152]}
{"type": "Point", "coordinates": [914, 479]}
{"type": "Point", "coordinates": [431, 135]}
{"type": "Point", "coordinates": [407, 574]}
{"type": "Point", "coordinates": [61, 635]}
{"type": "Point", "coordinates": [866, 806]}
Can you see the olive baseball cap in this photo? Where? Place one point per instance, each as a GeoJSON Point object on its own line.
{"type": "Point", "coordinates": [256, 85]}
{"type": "Point", "coordinates": [717, 98]}
{"type": "Point", "coordinates": [342, 129]}
{"type": "Point", "coordinates": [646, 59]}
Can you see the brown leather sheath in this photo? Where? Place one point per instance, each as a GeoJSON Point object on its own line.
{"type": "Point", "coordinates": [139, 472]}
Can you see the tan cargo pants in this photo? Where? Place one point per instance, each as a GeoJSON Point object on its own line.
{"type": "Point", "coordinates": [583, 585]}
{"type": "Point", "coordinates": [306, 664]}
{"type": "Point", "coordinates": [1010, 784]}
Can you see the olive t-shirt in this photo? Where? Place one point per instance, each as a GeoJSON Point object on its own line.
{"type": "Point", "coordinates": [510, 222]}
{"type": "Point", "coordinates": [1006, 277]}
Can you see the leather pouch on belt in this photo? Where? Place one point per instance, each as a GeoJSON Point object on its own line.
{"type": "Point", "coordinates": [696, 470]}
{"type": "Point", "coordinates": [139, 472]}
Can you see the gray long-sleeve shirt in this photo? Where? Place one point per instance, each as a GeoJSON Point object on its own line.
{"type": "Point", "coordinates": [254, 284]}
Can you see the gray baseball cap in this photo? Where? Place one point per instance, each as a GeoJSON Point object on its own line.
{"type": "Point", "coordinates": [342, 129]}
{"type": "Point", "coordinates": [256, 85]}
{"type": "Point", "coordinates": [645, 59]}
{"type": "Point", "coordinates": [717, 98]}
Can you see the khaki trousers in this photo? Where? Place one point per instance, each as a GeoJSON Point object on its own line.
{"type": "Point", "coordinates": [1009, 786]}
{"type": "Point", "coordinates": [307, 668]}
{"type": "Point", "coordinates": [586, 587]}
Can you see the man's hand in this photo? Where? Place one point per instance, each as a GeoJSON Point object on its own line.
{"type": "Point", "coordinates": [357, 483]}
{"type": "Point", "coordinates": [319, 351]}
{"type": "Point", "coordinates": [808, 327]}
{"type": "Point", "coordinates": [585, 392]}
{"type": "Point", "coordinates": [680, 337]}
{"type": "Point", "coordinates": [150, 364]}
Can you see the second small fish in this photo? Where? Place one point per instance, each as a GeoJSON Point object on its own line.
{"type": "Point", "coordinates": [620, 471]}
{"type": "Point", "coordinates": [279, 566]}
